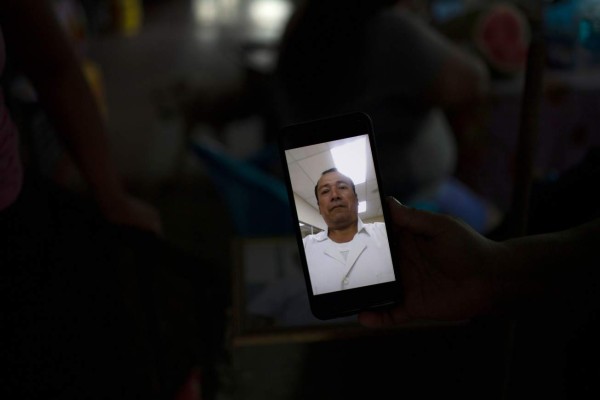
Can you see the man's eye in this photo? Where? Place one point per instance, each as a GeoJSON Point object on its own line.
{"type": "Point", "coordinates": [324, 191]}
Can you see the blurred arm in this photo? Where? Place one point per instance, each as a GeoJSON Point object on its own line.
{"type": "Point", "coordinates": [45, 54]}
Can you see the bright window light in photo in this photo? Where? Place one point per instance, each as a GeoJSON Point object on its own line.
{"type": "Point", "coordinates": [362, 206]}
{"type": "Point", "coordinates": [351, 159]}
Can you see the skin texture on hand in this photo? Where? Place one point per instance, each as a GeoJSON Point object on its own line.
{"type": "Point", "coordinates": [447, 269]}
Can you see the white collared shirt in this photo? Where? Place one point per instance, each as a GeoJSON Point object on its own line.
{"type": "Point", "coordinates": [367, 262]}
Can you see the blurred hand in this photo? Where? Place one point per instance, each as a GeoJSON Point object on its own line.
{"type": "Point", "coordinates": [446, 269]}
{"type": "Point", "coordinates": [131, 211]}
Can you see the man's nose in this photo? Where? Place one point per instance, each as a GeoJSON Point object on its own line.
{"type": "Point", "coordinates": [335, 193]}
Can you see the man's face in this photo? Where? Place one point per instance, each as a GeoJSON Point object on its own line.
{"type": "Point", "coordinates": [338, 204]}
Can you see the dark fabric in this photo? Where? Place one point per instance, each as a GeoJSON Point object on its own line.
{"type": "Point", "coordinates": [91, 310]}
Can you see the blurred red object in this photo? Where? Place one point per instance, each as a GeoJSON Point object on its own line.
{"type": "Point", "coordinates": [502, 35]}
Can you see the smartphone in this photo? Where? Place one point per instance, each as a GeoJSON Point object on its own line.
{"type": "Point", "coordinates": [344, 234]}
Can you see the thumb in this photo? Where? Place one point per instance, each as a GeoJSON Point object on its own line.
{"type": "Point", "coordinates": [415, 221]}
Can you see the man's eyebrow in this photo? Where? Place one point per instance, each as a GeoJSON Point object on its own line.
{"type": "Point", "coordinates": [334, 183]}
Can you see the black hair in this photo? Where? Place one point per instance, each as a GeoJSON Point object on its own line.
{"type": "Point", "coordinates": [334, 169]}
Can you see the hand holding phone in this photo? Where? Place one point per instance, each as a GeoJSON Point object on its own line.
{"type": "Point", "coordinates": [334, 187]}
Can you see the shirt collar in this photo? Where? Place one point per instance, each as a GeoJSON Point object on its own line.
{"type": "Point", "coordinates": [324, 235]}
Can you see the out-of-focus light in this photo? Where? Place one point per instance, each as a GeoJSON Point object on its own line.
{"type": "Point", "coordinates": [269, 14]}
{"type": "Point", "coordinates": [205, 11]}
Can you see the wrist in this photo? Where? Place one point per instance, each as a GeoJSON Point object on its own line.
{"type": "Point", "coordinates": [502, 287]}
{"type": "Point", "coordinates": [516, 289]}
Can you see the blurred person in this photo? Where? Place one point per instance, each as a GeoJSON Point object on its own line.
{"type": "Point", "coordinates": [382, 58]}
{"type": "Point", "coordinates": [349, 253]}
{"type": "Point", "coordinates": [55, 72]}
{"type": "Point", "coordinates": [85, 286]}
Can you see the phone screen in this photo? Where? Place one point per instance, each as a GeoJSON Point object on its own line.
{"type": "Point", "coordinates": [343, 230]}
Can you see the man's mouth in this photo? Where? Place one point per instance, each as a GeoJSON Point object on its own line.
{"type": "Point", "coordinates": [336, 206]}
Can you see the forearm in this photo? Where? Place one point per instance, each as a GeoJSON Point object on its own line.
{"type": "Point", "coordinates": [77, 120]}
{"type": "Point", "coordinates": [555, 253]}
{"type": "Point", "coordinates": [533, 269]}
